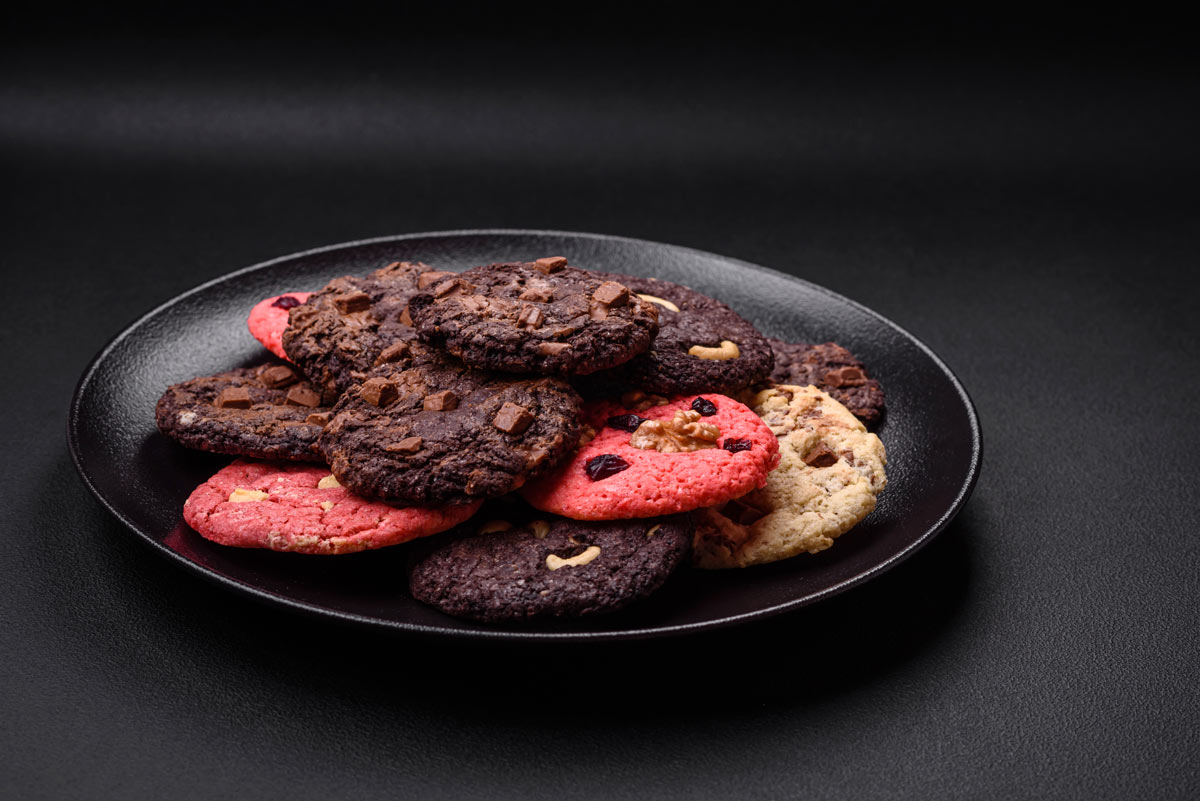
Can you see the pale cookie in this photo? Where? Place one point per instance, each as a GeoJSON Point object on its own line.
{"type": "Point", "coordinates": [830, 473]}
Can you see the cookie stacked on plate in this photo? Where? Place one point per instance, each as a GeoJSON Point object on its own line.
{"type": "Point", "coordinates": [429, 394]}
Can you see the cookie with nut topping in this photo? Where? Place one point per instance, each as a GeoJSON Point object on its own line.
{"type": "Point", "coordinates": [303, 509]}
{"type": "Point", "coordinates": [831, 472]}
{"type": "Point", "coordinates": [658, 456]}
{"type": "Point", "coordinates": [832, 369]}
{"type": "Point", "coordinates": [499, 570]}
{"type": "Point", "coordinates": [268, 412]}
{"type": "Point", "coordinates": [702, 346]}
{"type": "Point", "coordinates": [339, 333]}
{"type": "Point", "coordinates": [429, 430]}
{"type": "Point", "coordinates": [542, 317]}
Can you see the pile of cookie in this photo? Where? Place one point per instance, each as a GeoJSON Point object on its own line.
{"type": "Point", "coordinates": [613, 429]}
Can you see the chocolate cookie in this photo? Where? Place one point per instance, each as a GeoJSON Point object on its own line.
{"type": "Point", "coordinates": [338, 333]}
{"type": "Point", "coordinates": [427, 430]}
{"type": "Point", "coordinates": [267, 412]}
{"type": "Point", "coordinates": [702, 346]}
{"type": "Point", "coordinates": [539, 317]}
{"type": "Point", "coordinates": [832, 369]}
{"type": "Point", "coordinates": [548, 567]}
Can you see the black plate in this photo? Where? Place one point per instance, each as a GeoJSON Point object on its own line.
{"type": "Point", "coordinates": [930, 430]}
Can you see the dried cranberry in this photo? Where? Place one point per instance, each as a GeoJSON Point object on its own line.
{"type": "Point", "coordinates": [706, 407]}
{"type": "Point", "coordinates": [626, 422]}
{"type": "Point", "coordinates": [735, 445]}
{"type": "Point", "coordinates": [285, 302]}
{"type": "Point", "coordinates": [605, 465]}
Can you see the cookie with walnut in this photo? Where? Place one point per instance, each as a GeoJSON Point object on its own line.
{"type": "Point", "coordinates": [426, 429]}
{"type": "Point", "coordinates": [338, 333]}
{"type": "Point", "coordinates": [268, 412]}
{"type": "Point", "coordinates": [502, 570]}
{"type": "Point", "coordinates": [831, 471]}
{"type": "Point", "coordinates": [702, 346]}
{"type": "Point", "coordinates": [542, 317]}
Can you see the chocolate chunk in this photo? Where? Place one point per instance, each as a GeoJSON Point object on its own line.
{"type": "Point", "coordinates": [605, 465]}
{"type": "Point", "coordinates": [741, 513]}
{"type": "Point", "coordinates": [444, 401]}
{"type": "Point", "coordinates": [512, 419]}
{"type": "Point", "coordinates": [539, 294]}
{"type": "Point", "coordinates": [302, 396]}
{"type": "Point", "coordinates": [406, 445]}
{"type": "Point", "coordinates": [379, 391]}
{"type": "Point", "coordinates": [286, 302]}
{"type": "Point", "coordinates": [234, 398]}
{"type": "Point", "coordinates": [597, 312]}
{"type": "Point", "coordinates": [552, 348]}
{"type": "Point", "coordinates": [736, 445]}
{"type": "Point", "coordinates": [821, 457]}
{"type": "Point", "coordinates": [706, 407]}
{"type": "Point", "coordinates": [447, 288]}
{"type": "Point", "coordinates": [625, 422]}
{"type": "Point", "coordinates": [426, 280]}
{"type": "Point", "coordinates": [530, 317]}
{"type": "Point", "coordinates": [393, 353]}
{"type": "Point", "coordinates": [610, 293]}
{"type": "Point", "coordinates": [352, 302]}
{"type": "Point", "coordinates": [550, 264]}
{"type": "Point", "coordinates": [318, 418]}
{"type": "Point", "coordinates": [279, 375]}
{"type": "Point", "coordinates": [846, 377]}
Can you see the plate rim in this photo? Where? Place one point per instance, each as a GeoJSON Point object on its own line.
{"type": "Point", "coordinates": [511, 635]}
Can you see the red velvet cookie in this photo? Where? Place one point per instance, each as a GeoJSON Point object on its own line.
{"type": "Point", "coordinates": [648, 460]}
{"type": "Point", "coordinates": [268, 318]}
{"type": "Point", "coordinates": [302, 508]}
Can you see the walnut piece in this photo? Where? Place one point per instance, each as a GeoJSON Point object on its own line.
{"type": "Point", "coordinates": [681, 434]}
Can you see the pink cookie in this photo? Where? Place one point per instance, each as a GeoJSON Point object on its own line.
{"type": "Point", "coordinates": [610, 479]}
{"type": "Point", "coordinates": [288, 507]}
{"type": "Point", "coordinates": [269, 317]}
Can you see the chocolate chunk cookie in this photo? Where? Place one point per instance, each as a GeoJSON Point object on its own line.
{"type": "Point", "coordinates": [702, 346]}
{"type": "Point", "coordinates": [428, 430]}
{"type": "Point", "coordinates": [547, 567]}
{"type": "Point", "coordinates": [832, 369]}
{"type": "Point", "coordinates": [267, 412]}
{"type": "Point", "coordinates": [538, 317]}
{"type": "Point", "coordinates": [337, 334]}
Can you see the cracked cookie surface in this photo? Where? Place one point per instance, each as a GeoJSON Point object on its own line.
{"type": "Point", "coordinates": [830, 474]}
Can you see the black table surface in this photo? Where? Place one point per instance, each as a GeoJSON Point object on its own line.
{"type": "Point", "coordinates": [1031, 216]}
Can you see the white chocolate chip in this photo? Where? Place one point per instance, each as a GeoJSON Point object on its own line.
{"type": "Point", "coordinates": [187, 418]}
{"type": "Point", "coordinates": [329, 482]}
{"type": "Point", "coordinates": [540, 529]}
{"type": "Point", "coordinates": [666, 304]}
{"type": "Point", "coordinates": [326, 505]}
{"type": "Point", "coordinates": [240, 495]}
{"type": "Point", "coordinates": [728, 350]}
{"type": "Point", "coordinates": [495, 525]}
{"type": "Point", "coordinates": [554, 562]}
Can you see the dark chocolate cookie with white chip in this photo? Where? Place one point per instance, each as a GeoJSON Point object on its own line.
{"type": "Point", "coordinates": [547, 567]}
{"type": "Point", "coordinates": [830, 368]}
{"type": "Point", "coordinates": [702, 346]}
{"type": "Point", "coordinates": [429, 430]}
{"type": "Point", "coordinates": [542, 317]}
{"type": "Point", "coordinates": [267, 412]}
{"type": "Point", "coordinates": [339, 333]}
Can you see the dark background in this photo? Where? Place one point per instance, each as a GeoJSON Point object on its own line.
{"type": "Point", "coordinates": [1016, 188]}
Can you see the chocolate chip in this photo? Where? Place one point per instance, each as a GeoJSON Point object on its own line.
{"type": "Point", "coordinates": [540, 294]}
{"type": "Point", "coordinates": [302, 396]}
{"type": "Point", "coordinates": [610, 293]}
{"type": "Point", "coordinates": [428, 279]}
{"type": "Point", "coordinates": [625, 422]}
{"type": "Point", "coordinates": [597, 312]}
{"type": "Point", "coordinates": [736, 445]}
{"type": "Point", "coordinates": [845, 377]}
{"type": "Point", "coordinates": [741, 513]}
{"type": "Point", "coordinates": [552, 348]}
{"type": "Point", "coordinates": [405, 317]}
{"type": "Point", "coordinates": [550, 264]}
{"type": "Point", "coordinates": [601, 467]}
{"type": "Point", "coordinates": [530, 317]}
{"type": "Point", "coordinates": [512, 418]}
{"type": "Point", "coordinates": [234, 398]}
{"type": "Point", "coordinates": [286, 302]}
{"type": "Point", "coordinates": [379, 391]}
{"type": "Point", "coordinates": [352, 302]}
{"type": "Point", "coordinates": [406, 445]}
{"type": "Point", "coordinates": [821, 457]}
{"type": "Point", "coordinates": [393, 352]}
{"type": "Point", "coordinates": [278, 375]}
{"type": "Point", "coordinates": [706, 407]}
{"type": "Point", "coordinates": [318, 419]}
{"type": "Point", "coordinates": [444, 401]}
{"type": "Point", "coordinates": [447, 288]}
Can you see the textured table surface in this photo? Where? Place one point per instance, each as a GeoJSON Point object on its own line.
{"type": "Point", "coordinates": [1034, 221]}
